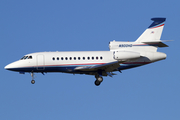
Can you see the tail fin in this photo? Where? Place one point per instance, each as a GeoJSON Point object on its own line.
{"type": "Point", "coordinates": [153, 32]}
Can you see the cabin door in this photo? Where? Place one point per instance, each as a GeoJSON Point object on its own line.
{"type": "Point", "coordinates": [40, 62]}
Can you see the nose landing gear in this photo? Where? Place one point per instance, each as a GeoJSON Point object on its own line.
{"type": "Point", "coordinates": [32, 75]}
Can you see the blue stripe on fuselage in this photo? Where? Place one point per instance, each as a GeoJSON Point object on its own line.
{"type": "Point", "coordinates": [67, 69]}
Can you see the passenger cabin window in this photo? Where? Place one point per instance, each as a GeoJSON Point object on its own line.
{"type": "Point", "coordinates": [70, 58]}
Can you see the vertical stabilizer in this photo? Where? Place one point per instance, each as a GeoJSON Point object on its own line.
{"type": "Point", "coordinates": [153, 32]}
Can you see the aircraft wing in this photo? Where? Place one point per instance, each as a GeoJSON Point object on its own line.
{"type": "Point", "coordinates": [108, 67]}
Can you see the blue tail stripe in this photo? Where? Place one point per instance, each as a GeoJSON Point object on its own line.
{"type": "Point", "coordinates": [157, 22]}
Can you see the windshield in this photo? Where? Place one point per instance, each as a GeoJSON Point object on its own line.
{"type": "Point", "coordinates": [26, 57]}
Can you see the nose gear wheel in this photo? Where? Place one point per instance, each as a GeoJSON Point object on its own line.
{"type": "Point", "coordinates": [32, 75]}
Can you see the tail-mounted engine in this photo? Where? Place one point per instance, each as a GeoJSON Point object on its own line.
{"type": "Point", "coordinates": [125, 55]}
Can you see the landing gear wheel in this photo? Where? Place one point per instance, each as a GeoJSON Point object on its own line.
{"type": "Point", "coordinates": [32, 81]}
{"type": "Point", "coordinates": [97, 83]}
{"type": "Point", "coordinates": [100, 79]}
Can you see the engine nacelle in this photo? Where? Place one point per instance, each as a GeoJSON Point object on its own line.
{"type": "Point", "coordinates": [125, 55]}
{"type": "Point", "coordinates": [118, 45]}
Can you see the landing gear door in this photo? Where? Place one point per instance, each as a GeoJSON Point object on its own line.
{"type": "Point", "coordinates": [40, 62]}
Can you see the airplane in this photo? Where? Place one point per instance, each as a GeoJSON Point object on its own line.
{"type": "Point", "coordinates": [121, 56]}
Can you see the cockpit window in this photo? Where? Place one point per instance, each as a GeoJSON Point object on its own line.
{"type": "Point", "coordinates": [23, 57]}
{"type": "Point", "coordinates": [30, 57]}
{"type": "Point", "coordinates": [26, 57]}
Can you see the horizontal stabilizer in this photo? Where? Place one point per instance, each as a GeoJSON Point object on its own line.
{"type": "Point", "coordinates": [158, 43]}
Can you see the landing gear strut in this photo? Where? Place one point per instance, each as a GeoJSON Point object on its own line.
{"type": "Point", "coordinates": [98, 81]}
{"type": "Point", "coordinates": [32, 75]}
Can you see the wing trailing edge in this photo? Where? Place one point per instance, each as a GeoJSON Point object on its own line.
{"type": "Point", "coordinates": [108, 67]}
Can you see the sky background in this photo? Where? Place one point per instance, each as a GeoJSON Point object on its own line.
{"type": "Point", "coordinates": [150, 92]}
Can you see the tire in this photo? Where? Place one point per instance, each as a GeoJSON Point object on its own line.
{"type": "Point", "coordinates": [32, 81]}
{"type": "Point", "coordinates": [97, 83]}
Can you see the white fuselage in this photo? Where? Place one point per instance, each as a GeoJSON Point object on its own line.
{"type": "Point", "coordinates": [57, 61]}
{"type": "Point", "coordinates": [68, 61]}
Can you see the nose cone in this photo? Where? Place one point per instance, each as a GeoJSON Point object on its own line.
{"type": "Point", "coordinates": [12, 66]}
{"type": "Point", "coordinates": [9, 66]}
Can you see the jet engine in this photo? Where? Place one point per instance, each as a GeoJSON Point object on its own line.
{"type": "Point", "coordinates": [125, 55]}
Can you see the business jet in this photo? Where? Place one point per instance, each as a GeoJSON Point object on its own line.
{"type": "Point", "coordinates": [121, 56]}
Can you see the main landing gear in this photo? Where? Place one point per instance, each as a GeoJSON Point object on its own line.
{"type": "Point", "coordinates": [98, 80]}
{"type": "Point", "coordinates": [32, 75]}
